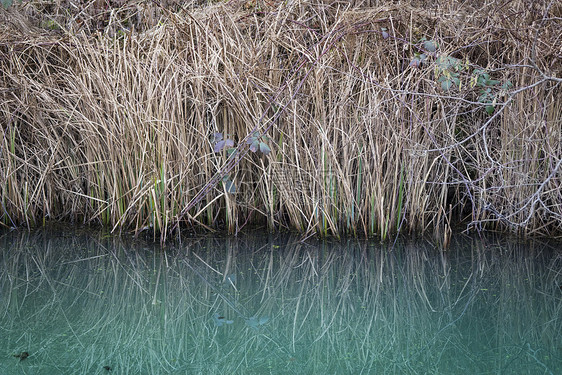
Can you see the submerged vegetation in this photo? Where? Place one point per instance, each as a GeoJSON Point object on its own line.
{"type": "Point", "coordinates": [329, 117]}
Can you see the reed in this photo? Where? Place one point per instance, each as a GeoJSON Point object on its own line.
{"type": "Point", "coordinates": [78, 301]}
{"type": "Point", "coordinates": [365, 119]}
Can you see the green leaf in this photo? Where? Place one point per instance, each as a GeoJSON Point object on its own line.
{"type": "Point", "coordinates": [7, 3]}
{"type": "Point", "coordinates": [264, 148]}
{"type": "Point", "coordinates": [507, 85]}
{"type": "Point", "coordinates": [255, 145]}
{"type": "Point", "coordinates": [448, 62]}
{"type": "Point", "coordinates": [257, 142]}
{"type": "Point", "coordinates": [446, 85]}
{"type": "Point", "coordinates": [483, 98]}
{"type": "Point", "coordinates": [253, 138]}
{"type": "Point", "coordinates": [221, 144]}
{"type": "Point", "coordinates": [490, 109]}
{"type": "Point", "coordinates": [481, 80]}
{"type": "Point", "coordinates": [232, 151]}
{"type": "Point", "coordinates": [430, 46]}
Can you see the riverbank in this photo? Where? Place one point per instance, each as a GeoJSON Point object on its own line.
{"type": "Point", "coordinates": [363, 120]}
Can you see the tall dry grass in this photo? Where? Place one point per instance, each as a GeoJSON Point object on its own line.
{"type": "Point", "coordinates": [108, 116]}
{"type": "Point", "coordinates": [82, 300]}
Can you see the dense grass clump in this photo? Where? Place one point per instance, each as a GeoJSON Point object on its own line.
{"type": "Point", "coordinates": [78, 300]}
{"type": "Point", "coordinates": [328, 117]}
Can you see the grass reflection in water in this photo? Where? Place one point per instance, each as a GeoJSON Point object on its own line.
{"type": "Point", "coordinates": [260, 305]}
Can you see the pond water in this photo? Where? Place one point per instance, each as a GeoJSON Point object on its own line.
{"type": "Point", "coordinates": [77, 302]}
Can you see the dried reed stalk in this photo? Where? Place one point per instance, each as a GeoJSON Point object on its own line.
{"type": "Point", "coordinates": [108, 116]}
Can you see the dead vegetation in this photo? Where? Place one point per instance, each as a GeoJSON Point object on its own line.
{"type": "Point", "coordinates": [380, 117]}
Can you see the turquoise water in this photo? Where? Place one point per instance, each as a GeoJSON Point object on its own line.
{"type": "Point", "coordinates": [81, 302]}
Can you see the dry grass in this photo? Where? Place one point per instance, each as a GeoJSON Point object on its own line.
{"type": "Point", "coordinates": [108, 116]}
{"type": "Point", "coordinates": [80, 300]}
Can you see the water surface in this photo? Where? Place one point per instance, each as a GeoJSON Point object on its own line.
{"type": "Point", "coordinates": [80, 302]}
